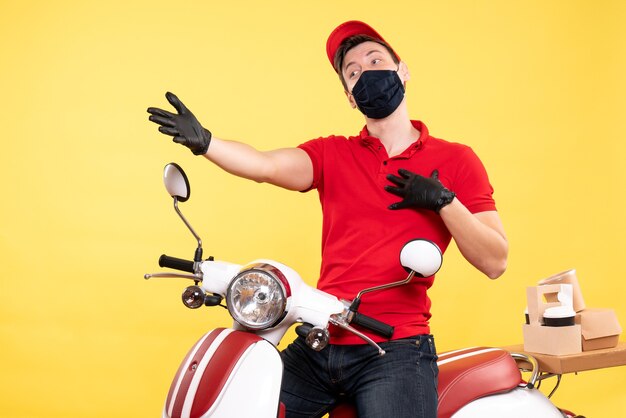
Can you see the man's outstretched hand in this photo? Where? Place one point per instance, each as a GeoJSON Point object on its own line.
{"type": "Point", "coordinates": [418, 191]}
{"type": "Point", "coordinates": [184, 126]}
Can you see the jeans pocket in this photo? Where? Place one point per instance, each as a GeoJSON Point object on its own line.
{"type": "Point", "coordinates": [427, 356]}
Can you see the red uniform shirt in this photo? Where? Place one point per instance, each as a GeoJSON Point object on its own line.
{"type": "Point", "coordinates": [362, 238]}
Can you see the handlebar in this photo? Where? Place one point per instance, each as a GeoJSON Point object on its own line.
{"type": "Point", "coordinates": [372, 324]}
{"type": "Point", "coordinates": [176, 263]}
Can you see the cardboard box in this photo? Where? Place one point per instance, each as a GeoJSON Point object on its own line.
{"type": "Point", "coordinates": [568, 277]}
{"type": "Point", "coordinates": [548, 340]}
{"type": "Point", "coordinates": [599, 328]}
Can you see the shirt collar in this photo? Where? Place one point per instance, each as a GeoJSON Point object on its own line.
{"type": "Point", "coordinates": [366, 140]}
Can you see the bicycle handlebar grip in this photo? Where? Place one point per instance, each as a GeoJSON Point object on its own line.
{"type": "Point", "coordinates": [303, 329]}
{"type": "Point", "coordinates": [176, 263]}
{"type": "Point", "coordinates": [373, 325]}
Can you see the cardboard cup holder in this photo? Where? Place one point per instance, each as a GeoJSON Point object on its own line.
{"type": "Point", "coordinates": [568, 277]}
{"type": "Point", "coordinates": [548, 305]}
{"type": "Point", "coordinates": [558, 323]}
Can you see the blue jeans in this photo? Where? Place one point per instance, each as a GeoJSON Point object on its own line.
{"type": "Point", "coordinates": [402, 383]}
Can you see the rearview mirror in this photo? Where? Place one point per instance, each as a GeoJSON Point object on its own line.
{"type": "Point", "coordinates": [177, 186]}
{"type": "Point", "coordinates": [176, 182]}
{"type": "Point", "coordinates": [421, 256]}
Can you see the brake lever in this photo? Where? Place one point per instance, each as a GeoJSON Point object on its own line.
{"type": "Point", "coordinates": [195, 277]}
{"type": "Point", "coordinates": [341, 323]}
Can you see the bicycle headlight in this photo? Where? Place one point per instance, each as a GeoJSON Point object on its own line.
{"type": "Point", "coordinates": [257, 296]}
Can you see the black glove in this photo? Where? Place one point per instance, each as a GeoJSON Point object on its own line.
{"type": "Point", "coordinates": [184, 126]}
{"type": "Point", "coordinates": [418, 191]}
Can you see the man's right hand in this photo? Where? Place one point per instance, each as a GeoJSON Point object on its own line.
{"type": "Point", "coordinates": [418, 191]}
{"type": "Point", "coordinates": [184, 126]}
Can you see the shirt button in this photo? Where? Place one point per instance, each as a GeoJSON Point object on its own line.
{"type": "Point", "coordinates": [384, 162]}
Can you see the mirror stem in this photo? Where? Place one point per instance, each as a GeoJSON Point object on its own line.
{"type": "Point", "coordinates": [199, 250]}
{"type": "Point", "coordinates": [386, 286]}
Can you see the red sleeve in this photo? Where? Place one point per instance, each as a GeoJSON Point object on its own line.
{"type": "Point", "coordinates": [471, 185]}
{"type": "Point", "coordinates": [315, 149]}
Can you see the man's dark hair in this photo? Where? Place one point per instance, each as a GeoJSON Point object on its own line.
{"type": "Point", "coordinates": [350, 43]}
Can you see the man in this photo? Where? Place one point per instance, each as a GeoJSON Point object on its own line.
{"type": "Point", "coordinates": [391, 183]}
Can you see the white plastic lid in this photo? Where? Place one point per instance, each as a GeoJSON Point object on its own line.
{"type": "Point", "coordinates": [559, 312]}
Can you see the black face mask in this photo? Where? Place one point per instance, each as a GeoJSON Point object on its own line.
{"type": "Point", "coordinates": [378, 93]}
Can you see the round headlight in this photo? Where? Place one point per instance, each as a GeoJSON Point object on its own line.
{"type": "Point", "coordinates": [256, 297]}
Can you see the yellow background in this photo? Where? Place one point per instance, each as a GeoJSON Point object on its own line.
{"type": "Point", "coordinates": [536, 88]}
